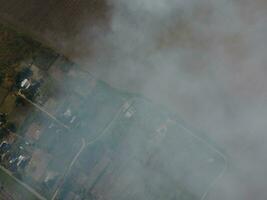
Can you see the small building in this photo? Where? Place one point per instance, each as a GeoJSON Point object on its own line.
{"type": "Point", "coordinates": [23, 161]}
{"type": "Point", "coordinates": [25, 84]}
{"type": "Point", "coordinates": [67, 113]}
{"type": "Point", "coordinates": [21, 158]}
{"type": "Point", "coordinates": [4, 146]}
{"type": "Point", "coordinates": [130, 112]}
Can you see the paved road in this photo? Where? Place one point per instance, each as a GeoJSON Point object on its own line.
{"type": "Point", "coordinates": [127, 104]}
{"type": "Point", "coordinates": [83, 145]}
{"type": "Point", "coordinates": [222, 172]}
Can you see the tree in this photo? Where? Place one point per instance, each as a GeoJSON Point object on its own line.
{"type": "Point", "coordinates": [11, 127]}
{"type": "Point", "coordinates": [3, 118]}
{"type": "Point", "coordinates": [20, 101]}
{"type": "Point", "coordinates": [3, 133]}
{"type": "Point", "coordinates": [2, 77]}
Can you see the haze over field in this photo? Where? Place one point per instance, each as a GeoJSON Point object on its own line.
{"type": "Point", "coordinates": [204, 59]}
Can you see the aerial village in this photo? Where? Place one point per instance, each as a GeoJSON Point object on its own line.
{"type": "Point", "coordinates": [65, 135]}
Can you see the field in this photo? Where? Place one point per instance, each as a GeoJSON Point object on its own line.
{"type": "Point", "coordinates": [18, 191]}
{"type": "Point", "coordinates": [145, 154]}
{"type": "Point", "coordinates": [101, 142]}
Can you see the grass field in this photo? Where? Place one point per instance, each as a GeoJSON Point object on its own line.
{"type": "Point", "coordinates": [147, 156]}
{"type": "Point", "coordinates": [18, 191]}
{"type": "Point", "coordinates": [8, 105]}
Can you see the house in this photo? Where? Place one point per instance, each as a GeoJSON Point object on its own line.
{"type": "Point", "coordinates": [21, 158]}
{"type": "Point", "coordinates": [23, 163]}
{"type": "Point", "coordinates": [13, 159]}
{"type": "Point", "coordinates": [25, 84]}
{"type": "Point", "coordinates": [69, 117]}
{"type": "Point", "coordinates": [4, 146]}
{"type": "Point", "coordinates": [73, 119]}
{"type": "Point", "coordinates": [12, 163]}
{"type": "Point", "coordinates": [67, 113]}
{"type": "Point", "coordinates": [130, 112]}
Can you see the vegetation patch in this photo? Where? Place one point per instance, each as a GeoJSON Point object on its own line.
{"type": "Point", "coordinates": [14, 47]}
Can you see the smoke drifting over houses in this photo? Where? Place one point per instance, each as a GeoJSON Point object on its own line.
{"type": "Point", "coordinates": [205, 60]}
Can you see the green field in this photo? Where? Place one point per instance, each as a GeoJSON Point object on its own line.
{"type": "Point", "coordinates": [11, 184]}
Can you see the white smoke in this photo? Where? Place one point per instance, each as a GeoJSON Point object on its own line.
{"type": "Point", "coordinates": [205, 59]}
